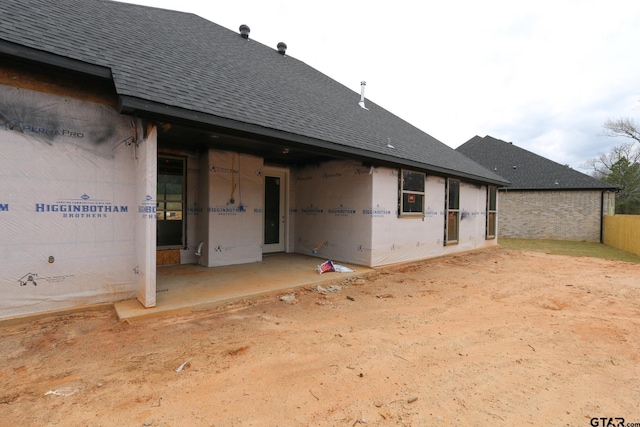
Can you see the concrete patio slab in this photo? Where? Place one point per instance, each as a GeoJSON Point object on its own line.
{"type": "Point", "coordinates": [194, 287]}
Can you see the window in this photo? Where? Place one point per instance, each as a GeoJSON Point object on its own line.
{"type": "Point", "coordinates": [452, 209]}
{"type": "Point", "coordinates": [492, 202]}
{"type": "Point", "coordinates": [170, 202]}
{"type": "Point", "coordinates": [411, 193]}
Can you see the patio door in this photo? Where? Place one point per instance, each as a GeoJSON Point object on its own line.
{"type": "Point", "coordinates": [275, 215]}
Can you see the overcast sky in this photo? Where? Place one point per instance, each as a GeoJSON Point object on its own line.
{"type": "Point", "coordinates": [542, 74]}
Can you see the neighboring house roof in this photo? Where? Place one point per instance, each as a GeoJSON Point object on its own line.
{"type": "Point", "coordinates": [180, 66]}
{"type": "Point", "coordinates": [526, 170]}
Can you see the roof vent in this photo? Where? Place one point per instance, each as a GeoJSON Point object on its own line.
{"type": "Point", "coordinates": [361, 103]}
{"type": "Point", "coordinates": [244, 31]}
{"type": "Point", "coordinates": [282, 48]}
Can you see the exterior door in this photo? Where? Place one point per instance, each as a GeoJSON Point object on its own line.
{"type": "Point", "coordinates": [274, 210]}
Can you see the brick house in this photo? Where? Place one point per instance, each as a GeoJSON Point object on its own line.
{"type": "Point", "coordinates": [545, 199]}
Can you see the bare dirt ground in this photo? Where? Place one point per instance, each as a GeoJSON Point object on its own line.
{"type": "Point", "coordinates": [493, 337]}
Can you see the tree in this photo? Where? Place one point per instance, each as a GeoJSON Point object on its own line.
{"type": "Point", "coordinates": [622, 127]}
{"type": "Point", "coordinates": [602, 165]}
{"type": "Point", "coordinates": [626, 176]}
{"type": "Point", "coordinates": [621, 166]}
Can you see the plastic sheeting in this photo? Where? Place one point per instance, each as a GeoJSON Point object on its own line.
{"type": "Point", "coordinates": [331, 201]}
{"type": "Point", "coordinates": [78, 208]}
{"type": "Point", "coordinates": [348, 212]}
{"type": "Point", "coordinates": [232, 187]}
{"type": "Point", "coordinates": [68, 203]}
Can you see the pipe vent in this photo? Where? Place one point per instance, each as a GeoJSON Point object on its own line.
{"type": "Point", "coordinates": [244, 31]}
{"type": "Point", "coordinates": [361, 103]}
{"type": "Point", "coordinates": [282, 48]}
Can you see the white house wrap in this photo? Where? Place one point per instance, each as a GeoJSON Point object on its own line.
{"type": "Point", "coordinates": [68, 203]}
{"type": "Point", "coordinates": [345, 211]}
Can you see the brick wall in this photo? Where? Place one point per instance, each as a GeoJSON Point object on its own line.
{"type": "Point", "coordinates": [558, 215]}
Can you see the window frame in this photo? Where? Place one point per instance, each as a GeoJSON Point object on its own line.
{"type": "Point", "coordinates": [415, 193]}
{"type": "Point", "coordinates": [162, 202]}
{"type": "Point", "coordinates": [451, 213]}
{"type": "Point", "coordinates": [492, 212]}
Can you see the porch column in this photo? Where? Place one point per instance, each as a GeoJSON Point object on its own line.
{"type": "Point", "coordinates": [146, 187]}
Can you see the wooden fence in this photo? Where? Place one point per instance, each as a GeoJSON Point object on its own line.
{"type": "Point", "coordinates": [623, 232]}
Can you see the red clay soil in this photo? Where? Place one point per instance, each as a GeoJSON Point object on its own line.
{"type": "Point", "coordinates": [493, 337]}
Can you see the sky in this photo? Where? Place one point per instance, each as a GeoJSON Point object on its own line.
{"type": "Point", "coordinates": [544, 75]}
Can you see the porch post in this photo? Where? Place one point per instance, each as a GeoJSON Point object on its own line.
{"type": "Point", "coordinates": [146, 179]}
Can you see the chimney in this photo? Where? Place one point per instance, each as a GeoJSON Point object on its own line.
{"type": "Point", "coordinates": [282, 48]}
{"type": "Point", "coordinates": [361, 103]}
{"type": "Point", "coordinates": [244, 31]}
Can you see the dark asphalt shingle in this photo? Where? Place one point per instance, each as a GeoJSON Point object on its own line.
{"type": "Point", "coordinates": [526, 170]}
{"type": "Point", "coordinates": [181, 60]}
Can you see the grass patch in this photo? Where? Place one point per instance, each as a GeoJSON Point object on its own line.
{"type": "Point", "coordinates": [563, 247]}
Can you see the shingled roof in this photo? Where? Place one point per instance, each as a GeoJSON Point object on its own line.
{"type": "Point", "coordinates": [526, 170]}
{"type": "Point", "coordinates": [181, 66]}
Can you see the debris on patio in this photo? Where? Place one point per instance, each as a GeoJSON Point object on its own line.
{"type": "Point", "coordinates": [325, 267]}
{"type": "Point", "coordinates": [328, 266]}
